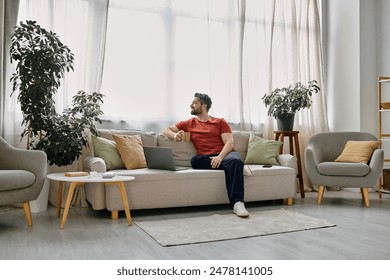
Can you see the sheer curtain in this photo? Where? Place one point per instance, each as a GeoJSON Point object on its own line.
{"type": "Point", "coordinates": [282, 45]}
{"type": "Point", "coordinates": [81, 25]}
{"type": "Point", "coordinates": [159, 53]}
{"type": "Point", "coordinates": [9, 119]}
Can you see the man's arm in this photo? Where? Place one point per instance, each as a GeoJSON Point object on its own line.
{"type": "Point", "coordinates": [228, 141]}
{"type": "Point", "coordinates": [173, 133]}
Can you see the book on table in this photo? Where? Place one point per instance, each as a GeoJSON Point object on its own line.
{"type": "Point", "coordinates": [76, 173]}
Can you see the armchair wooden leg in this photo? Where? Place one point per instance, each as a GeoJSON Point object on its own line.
{"type": "Point", "coordinates": [320, 195]}
{"type": "Point", "coordinates": [27, 213]}
{"type": "Point", "coordinates": [365, 197]}
{"type": "Point", "coordinates": [290, 201]}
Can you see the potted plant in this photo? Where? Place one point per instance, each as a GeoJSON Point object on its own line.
{"type": "Point", "coordinates": [284, 102]}
{"type": "Point", "coordinates": [42, 61]}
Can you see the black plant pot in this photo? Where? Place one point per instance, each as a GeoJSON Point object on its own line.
{"type": "Point", "coordinates": [285, 124]}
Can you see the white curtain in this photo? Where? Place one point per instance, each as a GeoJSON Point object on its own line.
{"type": "Point", "coordinates": [81, 25]}
{"type": "Point", "coordinates": [282, 45]}
{"type": "Point", "coordinates": [158, 53]}
{"type": "Point", "coordinates": [9, 120]}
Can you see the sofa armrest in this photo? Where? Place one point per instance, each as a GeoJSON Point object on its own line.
{"type": "Point", "coordinates": [288, 160]}
{"type": "Point", "coordinates": [96, 164]}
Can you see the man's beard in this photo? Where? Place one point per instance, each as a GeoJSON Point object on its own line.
{"type": "Point", "coordinates": [195, 112]}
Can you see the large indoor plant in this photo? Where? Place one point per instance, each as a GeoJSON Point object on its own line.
{"type": "Point", "coordinates": [284, 102]}
{"type": "Point", "coordinates": [42, 61]}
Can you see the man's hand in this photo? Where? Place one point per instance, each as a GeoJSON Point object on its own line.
{"type": "Point", "coordinates": [216, 161]}
{"type": "Point", "coordinates": [178, 137]}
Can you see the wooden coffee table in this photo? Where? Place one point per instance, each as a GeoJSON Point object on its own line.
{"type": "Point", "coordinates": [81, 180]}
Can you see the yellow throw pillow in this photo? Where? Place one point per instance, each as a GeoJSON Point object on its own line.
{"type": "Point", "coordinates": [358, 151]}
{"type": "Point", "coordinates": [131, 150]}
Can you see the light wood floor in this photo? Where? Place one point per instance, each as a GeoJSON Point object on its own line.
{"type": "Point", "coordinates": [360, 233]}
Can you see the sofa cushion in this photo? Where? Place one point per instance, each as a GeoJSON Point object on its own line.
{"type": "Point", "coordinates": [149, 138]}
{"type": "Point", "coordinates": [182, 151]}
{"type": "Point", "coordinates": [358, 151]}
{"type": "Point", "coordinates": [106, 149]}
{"type": "Point", "coordinates": [343, 169]}
{"type": "Point", "coordinates": [262, 151]}
{"type": "Point", "coordinates": [171, 177]}
{"type": "Point", "coordinates": [15, 179]}
{"type": "Point", "coordinates": [131, 150]}
{"type": "Point", "coordinates": [180, 177]}
{"type": "Point", "coordinates": [241, 139]}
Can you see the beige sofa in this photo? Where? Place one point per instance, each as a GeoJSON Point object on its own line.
{"type": "Point", "coordinates": [163, 189]}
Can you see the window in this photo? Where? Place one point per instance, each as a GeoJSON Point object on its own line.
{"type": "Point", "coordinates": [158, 56]}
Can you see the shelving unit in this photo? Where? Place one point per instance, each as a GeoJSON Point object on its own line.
{"type": "Point", "coordinates": [383, 136]}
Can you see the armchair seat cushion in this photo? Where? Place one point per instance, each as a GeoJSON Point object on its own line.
{"type": "Point", "coordinates": [15, 179]}
{"type": "Point", "coordinates": [343, 169]}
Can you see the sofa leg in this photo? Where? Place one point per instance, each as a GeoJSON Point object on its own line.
{"type": "Point", "coordinates": [365, 197]}
{"type": "Point", "coordinates": [114, 214]}
{"type": "Point", "coordinates": [320, 195]}
{"type": "Point", "coordinates": [27, 213]}
{"type": "Point", "coordinates": [290, 201]}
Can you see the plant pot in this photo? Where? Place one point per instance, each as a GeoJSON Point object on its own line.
{"type": "Point", "coordinates": [285, 124]}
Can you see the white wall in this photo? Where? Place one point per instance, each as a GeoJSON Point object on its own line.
{"type": "Point", "coordinates": [383, 62]}
{"type": "Point", "coordinates": [368, 67]}
{"type": "Point", "coordinates": [383, 37]}
{"type": "Point", "coordinates": [342, 73]}
{"type": "Point", "coordinates": [351, 68]}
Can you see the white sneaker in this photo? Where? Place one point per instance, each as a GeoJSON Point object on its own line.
{"type": "Point", "coordinates": [247, 170]}
{"type": "Point", "coordinates": [239, 209]}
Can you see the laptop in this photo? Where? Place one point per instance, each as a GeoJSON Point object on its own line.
{"type": "Point", "coordinates": [161, 158]}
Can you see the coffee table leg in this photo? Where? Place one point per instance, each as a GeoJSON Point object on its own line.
{"type": "Point", "coordinates": [59, 197]}
{"type": "Point", "coordinates": [122, 190]}
{"type": "Point", "coordinates": [67, 203]}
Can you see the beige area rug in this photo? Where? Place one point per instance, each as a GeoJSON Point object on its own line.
{"type": "Point", "coordinates": [224, 227]}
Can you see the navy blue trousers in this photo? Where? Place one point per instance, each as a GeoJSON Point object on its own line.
{"type": "Point", "coordinates": [234, 174]}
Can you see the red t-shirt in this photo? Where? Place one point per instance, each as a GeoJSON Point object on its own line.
{"type": "Point", "coordinates": [206, 136]}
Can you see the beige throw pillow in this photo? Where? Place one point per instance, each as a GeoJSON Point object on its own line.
{"type": "Point", "coordinates": [131, 150]}
{"type": "Point", "coordinates": [358, 151]}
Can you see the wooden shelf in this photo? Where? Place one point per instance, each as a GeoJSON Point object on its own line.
{"type": "Point", "coordinates": [384, 191]}
{"type": "Point", "coordinates": [383, 79]}
{"type": "Point", "coordinates": [381, 135]}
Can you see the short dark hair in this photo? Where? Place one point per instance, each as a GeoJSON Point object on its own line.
{"type": "Point", "coordinates": [204, 99]}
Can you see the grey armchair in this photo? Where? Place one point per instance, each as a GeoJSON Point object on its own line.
{"type": "Point", "coordinates": [322, 170]}
{"type": "Point", "coordinates": [22, 174]}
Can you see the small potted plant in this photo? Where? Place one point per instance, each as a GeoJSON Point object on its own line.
{"type": "Point", "coordinates": [284, 102]}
